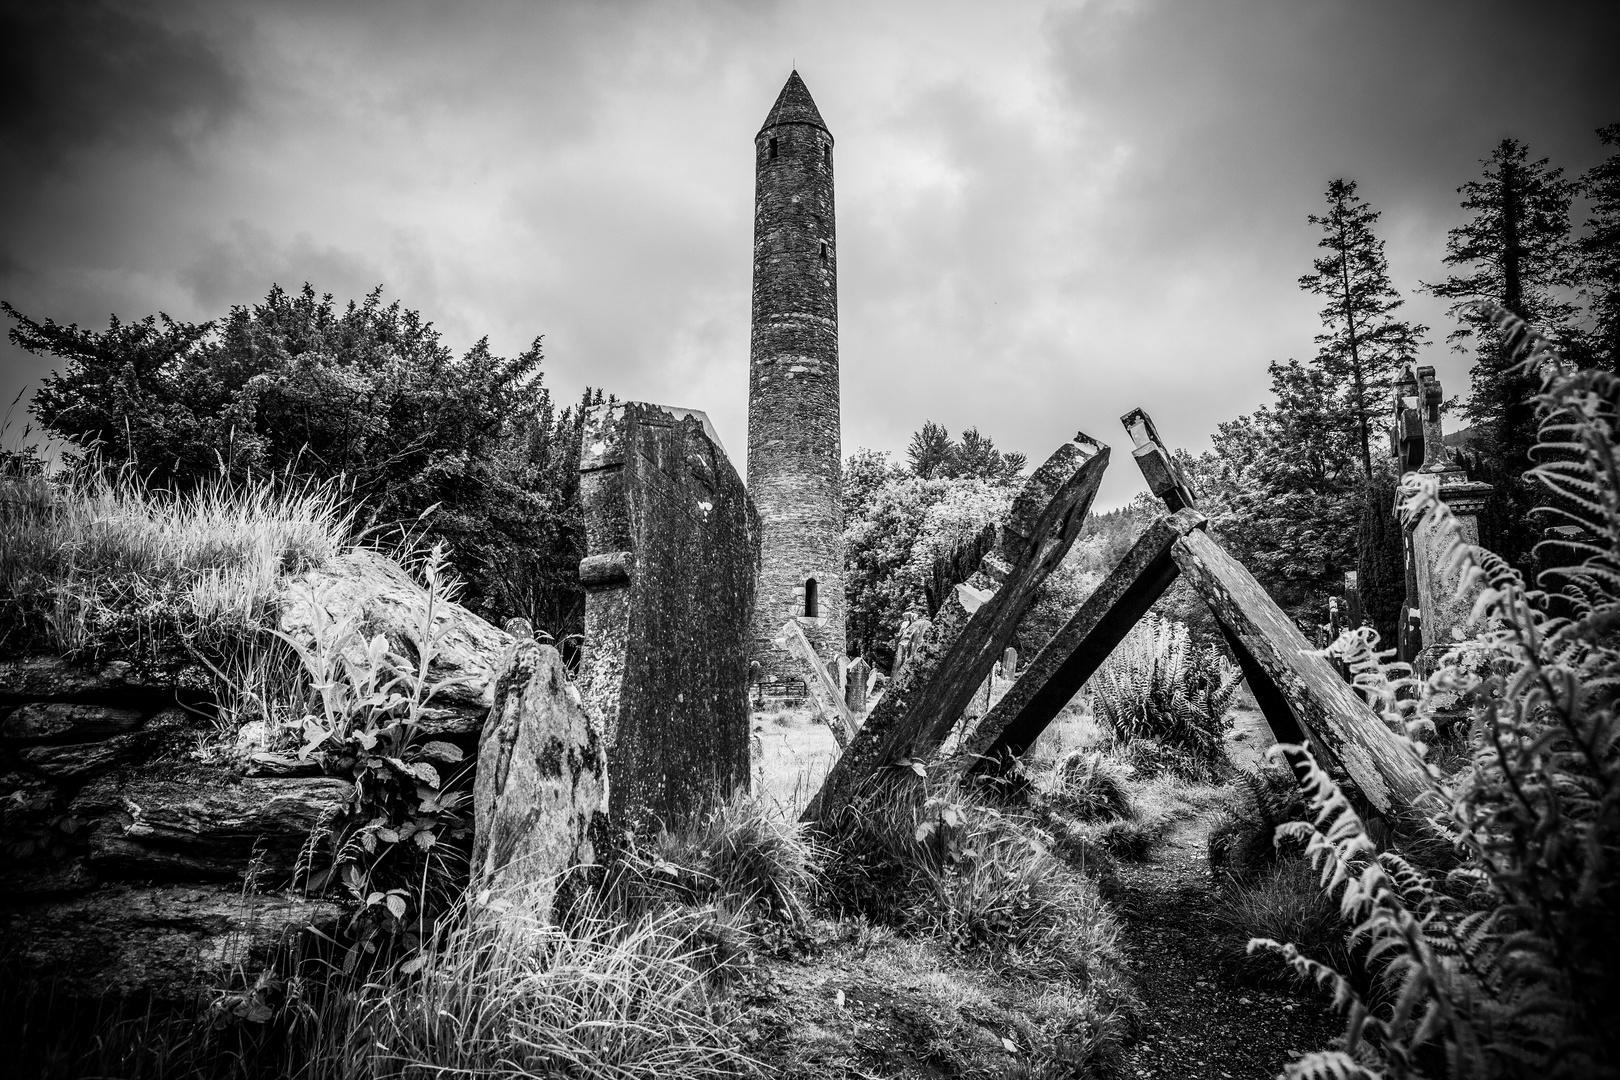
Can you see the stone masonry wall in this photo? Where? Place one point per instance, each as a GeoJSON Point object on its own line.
{"type": "Point", "coordinates": [794, 446]}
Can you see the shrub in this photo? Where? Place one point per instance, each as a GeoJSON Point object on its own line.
{"type": "Point", "coordinates": [1509, 966]}
{"type": "Point", "coordinates": [1243, 841]}
{"type": "Point", "coordinates": [1157, 684]}
{"type": "Point", "coordinates": [745, 858]}
{"type": "Point", "coordinates": [1088, 786]}
{"type": "Point", "coordinates": [469, 450]}
{"type": "Point", "coordinates": [1283, 902]}
{"type": "Point", "coordinates": [932, 858]}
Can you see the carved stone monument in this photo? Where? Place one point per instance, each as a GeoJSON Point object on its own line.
{"type": "Point", "coordinates": [1431, 584]}
{"type": "Point", "coordinates": [672, 544]}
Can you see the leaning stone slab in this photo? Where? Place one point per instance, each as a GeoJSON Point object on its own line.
{"type": "Point", "coordinates": [60, 721]}
{"type": "Point", "coordinates": [672, 544]}
{"type": "Point", "coordinates": [1301, 694]}
{"type": "Point", "coordinates": [540, 798]}
{"type": "Point", "coordinates": [162, 943]}
{"type": "Point", "coordinates": [1064, 664]}
{"type": "Point", "coordinates": [956, 654]}
{"type": "Point", "coordinates": [824, 692]}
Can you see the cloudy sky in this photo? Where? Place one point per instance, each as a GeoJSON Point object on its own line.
{"type": "Point", "coordinates": [1048, 212]}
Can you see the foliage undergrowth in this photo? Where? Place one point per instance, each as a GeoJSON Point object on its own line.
{"type": "Point", "coordinates": [1508, 965]}
{"type": "Point", "coordinates": [1160, 685]}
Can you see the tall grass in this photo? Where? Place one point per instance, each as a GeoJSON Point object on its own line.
{"type": "Point", "coordinates": [506, 994]}
{"type": "Point", "coordinates": [94, 562]}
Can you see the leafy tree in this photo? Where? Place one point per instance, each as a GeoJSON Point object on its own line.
{"type": "Point", "coordinates": [1597, 253]}
{"type": "Point", "coordinates": [1362, 341]}
{"type": "Point", "coordinates": [1514, 250]}
{"type": "Point", "coordinates": [469, 450]}
{"type": "Point", "coordinates": [901, 522]}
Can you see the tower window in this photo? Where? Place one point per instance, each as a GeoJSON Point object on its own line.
{"type": "Point", "coordinates": [812, 602]}
{"type": "Point", "coordinates": [824, 251]}
{"type": "Point", "coordinates": [826, 153]}
{"type": "Point", "coordinates": [770, 148]}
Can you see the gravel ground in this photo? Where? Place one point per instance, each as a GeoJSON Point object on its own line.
{"type": "Point", "coordinates": [1197, 1023]}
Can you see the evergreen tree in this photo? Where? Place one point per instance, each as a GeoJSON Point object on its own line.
{"type": "Point", "coordinates": [1381, 557]}
{"type": "Point", "coordinates": [1597, 254]}
{"type": "Point", "coordinates": [1513, 250]}
{"type": "Point", "coordinates": [1362, 341]}
{"type": "Point", "coordinates": [934, 455]}
{"type": "Point", "coordinates": [1282, 488]}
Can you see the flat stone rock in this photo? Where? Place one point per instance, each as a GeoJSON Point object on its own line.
{"type": "Point", "coordinates": [159, 942]}
{"type": "Point", "coordinates": [41, 877]}
{"type": "Point", "coordinates": [37, 678]}
{"type": "Point", "coordinates": [67, 722]}
{"type": "Point", "coordinates": [188, 829]}
{"type": "Point", "coordinates": [76, 761]}
{"type": "Point", "coordinates": [377, 591]}
{"type": "Point", "coordinates": [540, 797]}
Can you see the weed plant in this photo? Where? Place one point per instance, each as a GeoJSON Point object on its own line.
{"type": "Point", "coordinates": [1508, 965]}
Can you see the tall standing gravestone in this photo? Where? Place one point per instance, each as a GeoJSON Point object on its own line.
{"type": "Point", "coordinates": [672, 544]}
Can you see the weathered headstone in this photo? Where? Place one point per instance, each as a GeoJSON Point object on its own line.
{"type": "Point", "coordinates": [824, 693]}
{"type": "Point", "coordinates": [672, 545]}
{"type": "Point", "coordinates": [540, 796]}
{"type": "Point", "coordinates": [958, 651]}
{"type": "Point", "coordinates": [1062, 667]}
{"type": "Point", "coordinates": [1432, 582]}
{"type": "Point", "coordinates": [1009, 663]}
{"type": "Point", "coordinates": [855, 686]}
{"type": "Point", "coordinates": [1301, 695]}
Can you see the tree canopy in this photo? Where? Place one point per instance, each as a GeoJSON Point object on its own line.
{"type": "Point", "coordinates": [469, 450]}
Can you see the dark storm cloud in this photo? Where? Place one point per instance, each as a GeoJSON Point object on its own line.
{"type": "Point", "coordinates": [77, 73]}
{"type": "Point", "coordinates": [1048, 213]}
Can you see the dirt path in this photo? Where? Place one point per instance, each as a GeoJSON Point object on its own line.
{"type": "Point", "coordinates": [1199, 1024]}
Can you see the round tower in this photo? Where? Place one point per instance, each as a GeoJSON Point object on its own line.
{"type": "Point", "coordinates": [794, 449]}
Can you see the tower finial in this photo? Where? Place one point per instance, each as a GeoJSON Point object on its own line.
{"type": "Point", "coordinates": [794, 105]}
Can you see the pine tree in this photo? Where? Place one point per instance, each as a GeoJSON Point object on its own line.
{"type": "Point", "coordinates": [1514, 250]}
{"type": "Point", "coordinates": [1381, 558]}
{"type": "Point", "coordinates": [1597, 254]}
{"type": "Point", "coordinates": [1362, 341]}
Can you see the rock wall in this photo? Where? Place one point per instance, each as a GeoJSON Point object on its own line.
{"type": "Point", "coordinates": [124, 862]}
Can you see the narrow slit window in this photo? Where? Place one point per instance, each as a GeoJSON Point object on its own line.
{"type": "Point", "coordinates": [812, 603]}
{"type": "Point", "coordinates": [770, 148]}
{"type": "Point", "coordinates": [826, 153]}
{"type": "Point", "coordinates": [824, 251]}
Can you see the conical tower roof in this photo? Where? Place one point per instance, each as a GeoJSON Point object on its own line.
{"type": "Point", "coordinates": [794, 105]}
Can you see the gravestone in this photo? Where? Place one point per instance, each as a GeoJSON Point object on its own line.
{"type": "Point", "coordinates": [976, 621]}
{"type": "Point", "coordinates": [672, 544]}
{"type": "Point", "coordinates": [825, 696]}
{"type": "Point", "coordinates": [855, 686]}
{"type": "Point", "coordinates": [540, 794]}
{"type": "Point", "coordinates": [1432, 582]}
{"type": "Point", "coordinates": [1009, 663]}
